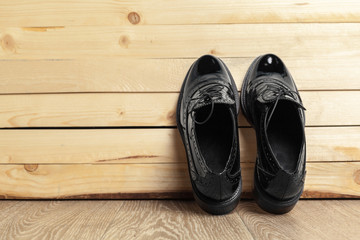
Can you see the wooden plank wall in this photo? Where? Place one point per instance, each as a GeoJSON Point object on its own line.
{"type": "Point", "coordinates": [88, 91]}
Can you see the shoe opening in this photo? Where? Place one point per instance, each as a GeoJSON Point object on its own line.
{"type": "Point", "coordinates": [285, 134]}
{"type": "Point", "coordinates": [215, 136]}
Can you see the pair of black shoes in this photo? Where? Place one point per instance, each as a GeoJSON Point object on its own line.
{"type": "Point", "coordinates": [207, 113]}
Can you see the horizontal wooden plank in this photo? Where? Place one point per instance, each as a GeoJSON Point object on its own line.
{"type": "Point", "coordinates": [115, 180]}
{"type": "Point", "coordinates": [125, 109]}
{"type": "Point", "coordinates": [336, 178]}
{"type": "Point", "coordinates": [148, 109]}
{"type": "Point", "coordinates": [166, 41]}
{"type": "Point", "coordinates": [333, 143]}
{"type": "Point", "coordinates": [64, 13]}
{"type": "Point", "coordinates": [104, 146]}
{"type": "Point", "coordinates": [65, 180]}
{"type": "Point", "coordinates": [160, 75]}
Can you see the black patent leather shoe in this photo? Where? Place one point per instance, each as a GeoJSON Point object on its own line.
{"type": "Point", "coordinates": [272, 105]}
{"type": "Point", "coordinates": [207, 112]}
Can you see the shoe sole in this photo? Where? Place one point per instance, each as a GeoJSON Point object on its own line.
{"type": "Point", "coordinates": [209, 205]}
{"type": "Point", "coordinates": [264, 200]}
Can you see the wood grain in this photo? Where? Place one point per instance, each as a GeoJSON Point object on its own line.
{"type": "Point", "coordinates": [308, 220]}
{"type": "Point", "coordinates": [96, 12]}
{"type": "Point", "coordinates": [69, 110]}
{"type": "Point", "coordinates": [167, 41]}
{"type": "Point", "coordinates": [54, 220]}
{"type": "Point", "coordinates": [64, 181]}
{"type": "Point", "coordinates": [120, 64]}
{"type": "Point", "coordinates": [324, 108]}
{"type": "Point", "coordinates": [176, 220]}
{"type": "Point", "coordinates": [117, 74]}
{"type": "Point", "coordinates": [325, 178]}
{"type": "Point", "coordinates": [105, 146]}
{"type": "Point", "coordinates": [113, 180]}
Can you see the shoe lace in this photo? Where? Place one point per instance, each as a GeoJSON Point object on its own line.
{"type": "Point", "coordinates": [205, 95]}
{"type": "Point", "coordinates": [273, 92]}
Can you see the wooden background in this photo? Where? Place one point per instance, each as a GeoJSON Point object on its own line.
{"type": "Point", "coordinates": [88, 91]}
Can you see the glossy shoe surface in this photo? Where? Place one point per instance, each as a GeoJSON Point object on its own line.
{"type": "Point", "coordinates": [271, 103]}
{"type": "Point", "coordinates": [207, 112]}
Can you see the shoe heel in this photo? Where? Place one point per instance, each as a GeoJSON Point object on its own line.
{"type": "Point", "coordinates": [217, 208]}
{"type": "Point", "coordinates": [272, 205]}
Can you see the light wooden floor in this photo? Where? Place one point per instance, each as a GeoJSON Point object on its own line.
{"type": "Point", "coordinates": [166, 219]}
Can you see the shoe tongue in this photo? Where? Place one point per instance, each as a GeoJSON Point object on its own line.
{"type": "Point", "coordinates": [219, 95]}
{"type": "Point", "coordinates": [275, 80]}
{"type": "Point", "coordinates": [202, 105]}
